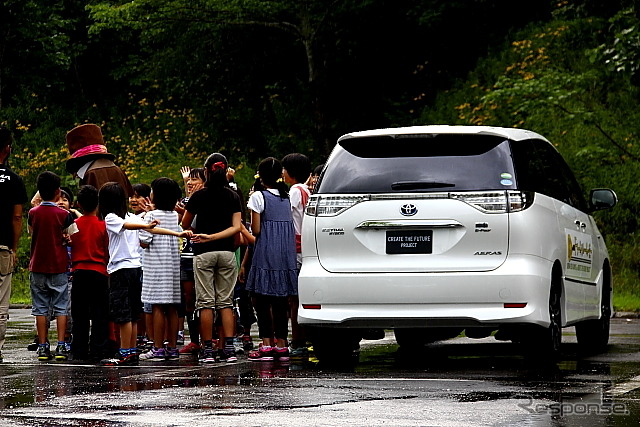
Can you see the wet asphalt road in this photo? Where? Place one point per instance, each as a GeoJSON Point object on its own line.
{"type": "Point", "coordinates": [460, 382]}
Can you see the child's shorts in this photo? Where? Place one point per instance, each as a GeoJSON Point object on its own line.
{"type": "Point", "coordinates": [125, 290]}
{"type": "Point", "coordinates": [49, 294]}
{"type": "Point", "coordinates": [147, 308]}
{"type": "Point", "coordinates": [186, 270]}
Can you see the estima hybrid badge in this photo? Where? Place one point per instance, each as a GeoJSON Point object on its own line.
{"type": "Point", "coordinates": [408, 209]}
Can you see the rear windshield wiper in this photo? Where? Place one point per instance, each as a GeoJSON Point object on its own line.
{"type": "Point", "coordinates": [419, 185]}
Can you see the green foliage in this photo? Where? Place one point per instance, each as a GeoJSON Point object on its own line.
{"type": "Point", "coordinates": [622, 54]}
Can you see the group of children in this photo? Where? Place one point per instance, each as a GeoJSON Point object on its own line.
{"type": "Point", "coordinates": [136, 276]}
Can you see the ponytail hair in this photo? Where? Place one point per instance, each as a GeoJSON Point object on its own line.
{"type": "Point", "coordinates": [270, 171]}
{"type": "Point", "coordinates": [215, 169]}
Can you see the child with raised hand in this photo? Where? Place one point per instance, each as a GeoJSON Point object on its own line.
{"type": "Point", "coordinates": [161, 265]}
{"type": "Point", "coordinates": [273, 277]}
{"type": "Point", "coordinates": [124, 268]}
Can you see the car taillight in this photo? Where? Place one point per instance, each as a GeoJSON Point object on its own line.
{"type": "Point", "coordinates": [332, 205]}
{"type": "Point", "coordinates": [495, 202]}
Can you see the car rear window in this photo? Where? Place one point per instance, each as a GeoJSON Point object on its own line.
{"type": "Point", "coordinates": [419, 163]}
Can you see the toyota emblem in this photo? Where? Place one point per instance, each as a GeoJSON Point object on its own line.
{"type": "Point", "coordinates": [408, 209]}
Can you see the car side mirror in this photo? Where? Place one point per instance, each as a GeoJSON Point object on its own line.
{"type": "Point", "coordinates": [602, 198]}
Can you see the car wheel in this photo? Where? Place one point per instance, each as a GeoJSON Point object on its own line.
{"type": "Point", "coordinates": [544, 343]}
{"type": "Point", "coordinates": [552, 338]}
{"type": "Point", "coordinates": [593, 335]}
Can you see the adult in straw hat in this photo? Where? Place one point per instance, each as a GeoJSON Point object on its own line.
{"type": "Point", "coordinates": [90, 161]}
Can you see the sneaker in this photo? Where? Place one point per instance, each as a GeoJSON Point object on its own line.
{"type": "Point", "coordinates": [158, 354]}
{"type": "Point", "coordinates": [172, 353]}
{"type": "Point", "coordinates": [148, 345]}
{"type": "Point", "coordinates": [44, 353]}
{"type": "Point", "coordinates": [180, 338]}
{"type": "Point", "coordinates": [281, 354]}
{"type": "Point", "coordinates": [121, 360]}
{"type": "Point", "coordinates": [237, 345]}
{"type": "Point", "coordinates": [191, 348]}
{"type": "Point", "coordinates": [62, 352]}
{"type": "Point", "coordinates": [207, 355]}
{"type": "Point", "coordinates": [247, 343]}
{"type": "Point", "coordinates": [227, 355]}
{"type": "Point", "coordinates": [146, 355]}
{"type": "Point", "coordinates": [141, 342]}
{"type": "Point", "coordinates": [263, 353]}
{"type": "Point", "coordinates": [298, 353]}
{"type": "Point", "coordinates": [33, 345]}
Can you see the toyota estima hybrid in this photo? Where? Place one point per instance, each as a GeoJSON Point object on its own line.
{"type": "Point", "coordinates": [432, 230]}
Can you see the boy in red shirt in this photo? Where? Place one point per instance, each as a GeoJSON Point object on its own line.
{"type": "Point", "coordinates": [48, 264]}
{"type": "Point", "coordinates": [90, 291]}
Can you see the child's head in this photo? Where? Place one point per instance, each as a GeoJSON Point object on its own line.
{"type": "Point", "coordinates": [165, 193]}
{"type": "Point", "coordinates": [48, 184]}
{"type": "Point", "coordinates": [314, 177]}
{"type": "Point", "coordinates": [140, 192]}
{"type": "Point", "coordinates": [88, 198]}
{"type": "Point", "coordinates": [65, 201]}
{"type": "Point", "coordinates": [270, 171]}
{"type": "Point", "coordinates": [196, 177]}
{"type": "Point", "coordinates": [112, 199]}
{"type": "Point", "coordinates": [215, 168]}
{"type": "Point", "coordinates": [257, 185]}
{"type": "Point", "coordinates": [297, 168]}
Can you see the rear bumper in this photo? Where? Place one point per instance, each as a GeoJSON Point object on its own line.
{"type": "Point", "coordinates": [389, 300]}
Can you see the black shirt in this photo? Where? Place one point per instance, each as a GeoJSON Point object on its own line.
{"type": "Point", "coordinates": [12, 192]}
{"type": "Point", "coordinates": [214, 209]}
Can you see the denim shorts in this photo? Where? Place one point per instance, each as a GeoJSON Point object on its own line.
{"type": "Point", "coordinates": [49, 294]}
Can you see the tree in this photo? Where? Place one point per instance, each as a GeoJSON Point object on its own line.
{"type": "Point", "coordinates": [304, 23]}
{"type": "Point", "coordinates": [35, 48]}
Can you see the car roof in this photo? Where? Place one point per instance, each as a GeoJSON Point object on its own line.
{"type": "Point", "coordinates": [509, 133]}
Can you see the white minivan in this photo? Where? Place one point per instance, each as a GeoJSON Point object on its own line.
{"type": "Point", "coordinates": [432, 230]}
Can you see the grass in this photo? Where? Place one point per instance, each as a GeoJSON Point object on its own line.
{"type": "Point", "coordinates": [626, 302]}
{"type": "Point", "coordinates": [20, 292]}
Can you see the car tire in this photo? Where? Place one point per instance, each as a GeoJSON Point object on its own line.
{"type": "Point", "coordinates": [593, 335]}
{"type": "Point", "coordinates": [544, 343]}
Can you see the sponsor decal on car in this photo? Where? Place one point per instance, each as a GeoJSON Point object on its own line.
{"type": "Point", "coordinates": [579, 254]}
